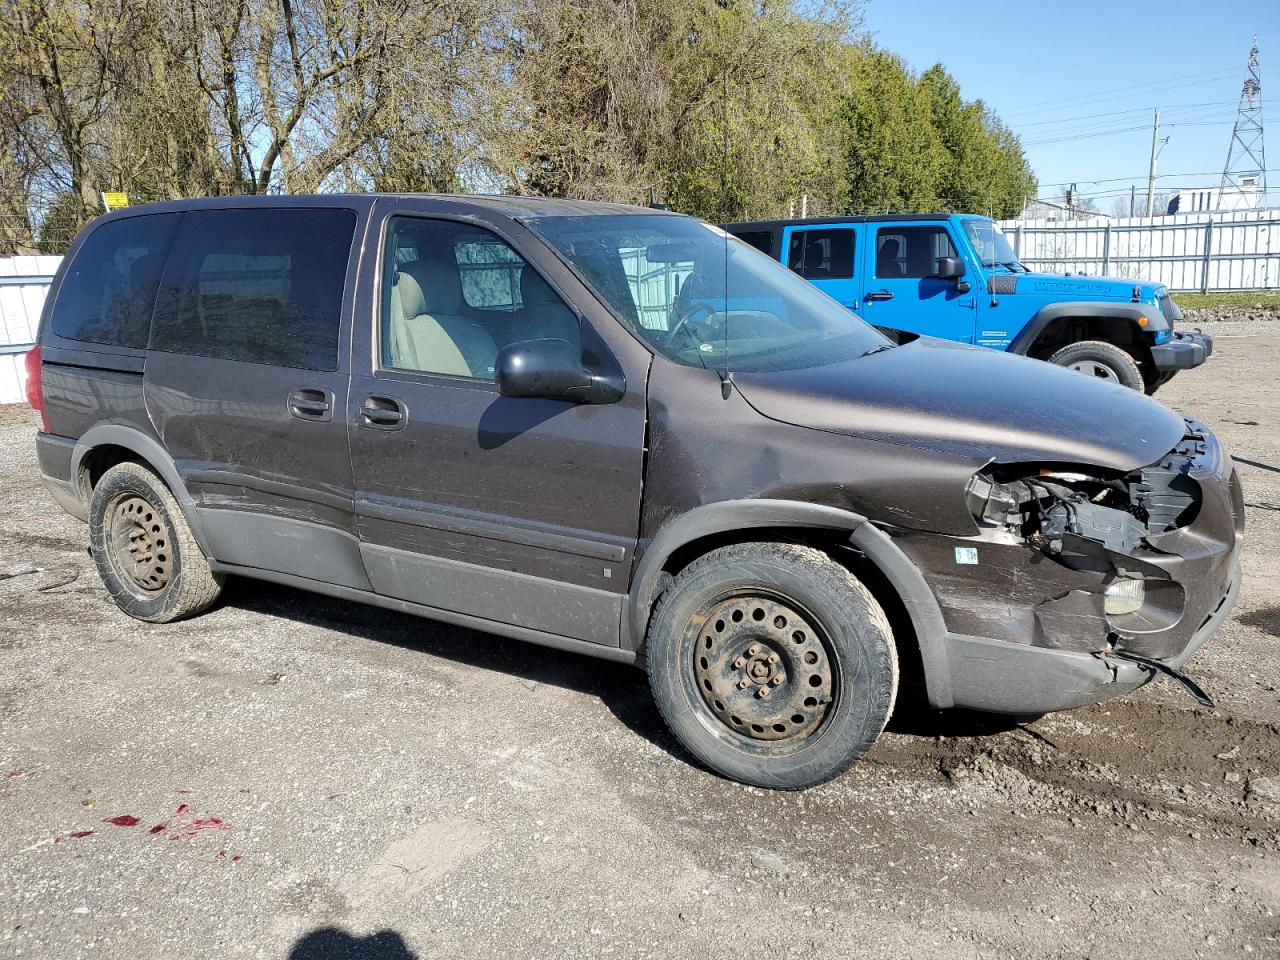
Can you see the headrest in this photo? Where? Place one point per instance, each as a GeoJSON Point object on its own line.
{"type": "Point", "coordinates": [891, 250]}
{"type": "Point", "coordinates": [438, 285]}
{"type": "Point", "coordinates": [409, 293]}
{"type": "Point", "coordinates": [534, 291]}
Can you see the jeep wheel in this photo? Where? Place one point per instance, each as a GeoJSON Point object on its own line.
{"type": "Point", "coordinates": [772, 664]}
{"type": "Point", "coordinates": [1105, 361]}
{"type": "Point", "coordinates": [146, 555]}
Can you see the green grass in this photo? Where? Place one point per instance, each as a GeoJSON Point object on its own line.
{"type": "Point", "coordinates": [1269, 301]}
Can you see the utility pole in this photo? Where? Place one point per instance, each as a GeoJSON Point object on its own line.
{"type": "Point", "coordinates": [1151, 173]}
{"type": "Point", "coordinates": [1133, 197]}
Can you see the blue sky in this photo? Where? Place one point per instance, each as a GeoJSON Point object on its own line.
{"type": "Point", "coordinates": [1060, 74]}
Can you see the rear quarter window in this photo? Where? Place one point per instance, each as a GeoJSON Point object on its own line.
{"type": "Point", "coordinates": [261, 286]}
{"type": "Point", "coordinates": [109, 288]}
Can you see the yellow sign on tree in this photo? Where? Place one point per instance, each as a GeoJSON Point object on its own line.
{"type": "Point", "coordinates": [114, 201]}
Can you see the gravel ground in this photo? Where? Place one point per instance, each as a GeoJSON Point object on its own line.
{"type": "Point", "coordinates": [312, 778]}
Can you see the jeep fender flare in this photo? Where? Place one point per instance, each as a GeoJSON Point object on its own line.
{"type": "Point", "coordinates": [1132, 312]}
{"type": "Point", "coordinates": [150, 451]}
{"type": "Point", "coordinates": [739, 515]}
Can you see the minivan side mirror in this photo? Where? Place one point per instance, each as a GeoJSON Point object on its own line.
{"type": "Point", "coordinates": [552, 370]}
{"type": "Point", "coordinates": [949, 268]}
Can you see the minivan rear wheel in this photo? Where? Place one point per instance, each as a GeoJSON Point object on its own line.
{"type": "Point", "coordinates": [772, 664]}
{"type": "Point", "coordinates": [146, 555]}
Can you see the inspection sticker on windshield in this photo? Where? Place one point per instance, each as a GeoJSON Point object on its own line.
{"type": "Point", "coordinates": [966, 555]}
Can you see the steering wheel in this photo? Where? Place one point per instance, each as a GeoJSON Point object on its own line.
{"type": "Point", "coordinates": [694, 308]}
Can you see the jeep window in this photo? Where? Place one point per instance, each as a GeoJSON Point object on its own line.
{"type": "Point", "coordinates": [821, 254]}
{"type": "Point", "coordinates": [991, 245]}
{"type": "Point", "coordinates": [110, 287]}
{"type": "Point", "coordinates": [689, 290]}
{"type": "Point", "coordinates": [262, 286]}
{"type": "Point", "coordinates": [762, 240]}
{"type": "Point", "coordinates": [453, 295]}
{"type": "Point", "coordinates": [911, 251]}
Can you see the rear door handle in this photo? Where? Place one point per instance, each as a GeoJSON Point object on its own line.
{"type": "Point", "coordinates": [310, 404]}
{"type": "Point", "coordinates": [880, 295]}
{"type": "Point", "coordinates": [383, 413]}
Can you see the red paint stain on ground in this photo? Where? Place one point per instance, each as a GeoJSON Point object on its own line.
{"type": "Point", "coordinates": [80, 833]}
{"type": "Point", "coordinates": [122, 820]}
{"type": "Point", "coordinates": [208, 823]}
{"type": "Point", "coordinates": [183, 808]}
{"type": "Point", "coordinates": [158, 828]}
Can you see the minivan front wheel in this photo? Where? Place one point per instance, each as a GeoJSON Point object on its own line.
{"type": "Point", "coordinates": [146, 555]}
{"type": "Point", "coordinates": [772, 664]}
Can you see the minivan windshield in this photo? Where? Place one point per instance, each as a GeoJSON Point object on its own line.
{"type": "Point", "coordinates": [694, 293]}
{"type": "Point", "coordinates": [991, 245]}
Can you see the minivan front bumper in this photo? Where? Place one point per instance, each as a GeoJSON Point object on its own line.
{"type": "Point", "coordinates": [1028, 635]}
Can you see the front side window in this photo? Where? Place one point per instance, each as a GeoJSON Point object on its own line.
{"type": "Point", "coordinates": [694, 293]}
{"type": "Point", "coordinates": [453, 295]}
{"type": "Point", "coordinates": [110, 287]}
{"type": "Point", "coordinates": [261, 286]}
{"type": "Point", "coordinates": [911, 251]}
{"type": "Point", "coordinates": [821, 254]}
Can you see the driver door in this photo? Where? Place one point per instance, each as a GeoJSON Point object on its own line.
{"type": "Point", "coordinates": [901, 292]}
{"type": "Point", "coordinates": [518, 510]}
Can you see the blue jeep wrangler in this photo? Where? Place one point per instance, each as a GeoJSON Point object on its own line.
{"type": "Point", "coordinates": [956, 277]}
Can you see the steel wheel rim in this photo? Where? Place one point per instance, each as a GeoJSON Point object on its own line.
{"type": "Point", "coordinates": [763, 668]}
{"type": "Point", "coordinates": [1094, 368]}
{"type": "Point", "coordinates": [139, 545]}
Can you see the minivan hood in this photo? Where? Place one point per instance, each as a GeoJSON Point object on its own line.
{"type": "Point", "coordinates": [972, 402]}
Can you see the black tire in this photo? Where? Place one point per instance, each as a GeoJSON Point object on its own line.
{"type": "Point", "coordinates": [1103, 360]}
{"type": "Point", "coordinates": [809, 631]}
{"type": "Point", "coordinates": [146, 555]}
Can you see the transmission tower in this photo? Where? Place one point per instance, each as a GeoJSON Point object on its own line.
{"type": "Point", "coordinates": [1246, 167]}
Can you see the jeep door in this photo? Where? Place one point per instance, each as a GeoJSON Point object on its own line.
{"type": "Point", "coordinates": [246, 382]}
{"type": "Point", "coordinates": [523, 511]}
{"type": "Point", "coordinates": [826, 256]}
{"type": "Point", "coordinates": [901, 291]}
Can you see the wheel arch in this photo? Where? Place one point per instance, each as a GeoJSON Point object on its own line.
{"type": "Point", "coordinates": [106, 444]}
{"type": "Point", "coordinates": [705, 528]}
{"type": "Point", "coordinates": [1099, 317]}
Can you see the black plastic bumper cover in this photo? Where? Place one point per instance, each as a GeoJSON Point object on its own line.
{"type": "Point", "coordinates": [1183, 351]}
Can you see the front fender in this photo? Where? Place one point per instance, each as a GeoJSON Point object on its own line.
{"type": "Point", "coordinates": [1088, 309]}
{"type": "Point", "coordinates": [759, 514]}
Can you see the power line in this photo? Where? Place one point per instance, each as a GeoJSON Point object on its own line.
{"type": "Point", "coordinates": [1121, 93]}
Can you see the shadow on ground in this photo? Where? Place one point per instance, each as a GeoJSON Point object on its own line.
{"type": "Point", "coordinates": [330, 943]}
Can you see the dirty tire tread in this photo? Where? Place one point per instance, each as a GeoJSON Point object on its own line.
{"type": "Point", "coordinates": [1124, 364]}
{"type": "Point", "coordinates": [194, 587]}
{"type": "Point", "coordinates": [858, 611]}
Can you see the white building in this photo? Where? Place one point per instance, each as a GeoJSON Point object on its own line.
{"type": "Point", "coordinates": [1205, 199]}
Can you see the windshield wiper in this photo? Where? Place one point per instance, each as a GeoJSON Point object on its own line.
{"type": "Point", "coordinates": [878, 349]}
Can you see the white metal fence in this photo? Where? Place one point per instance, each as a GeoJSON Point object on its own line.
{"type": "Point", "coordinates": [1201, 251]}
{"type": "Point", "coordinates": [24, 281]}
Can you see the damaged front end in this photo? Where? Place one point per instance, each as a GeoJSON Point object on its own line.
{"type": "Point", "coordinates": [1135, 567]}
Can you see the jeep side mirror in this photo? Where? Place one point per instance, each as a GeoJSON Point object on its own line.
{"type": "Point", "coordinates": [552, 370]}
{"type": "Point", "coordinates": [949, 268]}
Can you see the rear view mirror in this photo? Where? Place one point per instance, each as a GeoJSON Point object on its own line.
{"type": "Point", "coordinates": [949, 268]}
{"type": "Point", "coordinates": [551, 370]}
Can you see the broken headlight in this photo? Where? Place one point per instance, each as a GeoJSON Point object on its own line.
{"type": "Point", "coordinates": [1125, 595]}
{"type": "Point", "coordinates": [1044, 505]}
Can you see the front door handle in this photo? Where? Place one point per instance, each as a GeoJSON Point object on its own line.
{"type": "Point", "coordinates": [879, 295]}
{"type": "Point", "coordinates": [307, 403]}
{"type": "Point", "coordinates": [382, 413]}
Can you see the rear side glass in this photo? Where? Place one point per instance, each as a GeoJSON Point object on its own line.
{"type": "Point", "coordinates": [821, 254]}
{"type": "Point", "coordinates": [260, 286]}
{"type": "Point", "coordinates": [110, 286]}
{"type": "Point", "coordinates": [911, 251]}
{"type": "Point", "coordinates": [762, 240]}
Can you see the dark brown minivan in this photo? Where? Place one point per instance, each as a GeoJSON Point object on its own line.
{"type": "Point", "coordinates": [621, 432]}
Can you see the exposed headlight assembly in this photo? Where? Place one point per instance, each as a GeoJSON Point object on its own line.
{"type": "Point", "coordinates": [1123, 596]}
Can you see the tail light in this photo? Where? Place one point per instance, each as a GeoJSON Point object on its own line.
{"type": "Point", "coordinates": [35, 389]}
